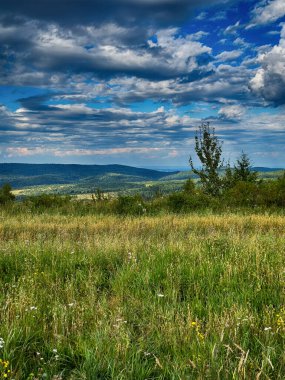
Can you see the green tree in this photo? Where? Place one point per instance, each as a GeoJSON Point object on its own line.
{"type": "Point", "coordinates": [6, 194]}
{"type": "Point", "coordinates": [228, 178]}
{"type": "Point", "coordinates": [209, 151]}
{"type": "Point", "coordinates": [189, 186]}
{"type": "Point", "coordinates": [242, 170]}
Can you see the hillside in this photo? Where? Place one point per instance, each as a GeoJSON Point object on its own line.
{"type": "Point", "coordinates": [30, 179]}
{"type": "Point", "coordinates": [77, 179]}
{"type": "Point", "coordinates": [20, 175]}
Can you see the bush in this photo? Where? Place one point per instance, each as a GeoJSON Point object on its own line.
{"type": "Point", "coordinates": [242, 194]}
{"type": "Point", "coordinates": [6, 194]}
{"type": "Point", "coordinates": [183, 202]}
{"type": "Point", "coordinates": [130, 205]}
{"type": "Point", "coordinates": [44, 201]}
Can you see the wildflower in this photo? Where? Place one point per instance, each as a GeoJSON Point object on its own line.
{"type": "Point", "coordinates": [200, 335]}
{"type": "Point", "coordinates": [267, 328]}
{"type": "Point", "coordinates": [54, 350]}
{"type": "Point", "coordinates": [160, 295]}
{"type": "Point", "coordinates": [71, 304]}
{"type": "Point", "coordinates": [132, 258]}
{"type": "Point", "coordinates": [33, 308]}
{"type": "Point", "coordinates": [197, 327]}
{"type": "Point", "coordinates": [2, 342]}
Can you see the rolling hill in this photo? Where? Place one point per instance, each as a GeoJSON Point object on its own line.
{"type": "Point", "coordinates": [30, 179]}
{"type": "Point", "coordinates": [76, 179]}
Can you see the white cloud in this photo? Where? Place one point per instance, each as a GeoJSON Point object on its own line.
{"type": "Point", "coordinates": [269, 80]}
{"type": "Point", "coordinates": [232, 29]}
{"type": "Point", "coordinates": [234, 112]}
{"type": "Point", "coordinates": [229, 55]}
{"type": "Point", "coordinates": [268, 12]}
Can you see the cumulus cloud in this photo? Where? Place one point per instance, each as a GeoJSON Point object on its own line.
{"type": "Point", "coordinates": [229, 55]}
{"type": "Point", "coordinates": [91, 63]}
{"type": "Point", "coordinates": [268, 12]}
{"type": "Point", "coordinates": [79, 128]}
{"type": "Point", "coordinates": [57, 50]}
{"type": "Point", "coordinates": [269, 80]}
{"type": "Point", "coordinates": [233, 112]}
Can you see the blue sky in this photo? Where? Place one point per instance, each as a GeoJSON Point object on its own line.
{"type": "Point", "coordinates": [129, 81]}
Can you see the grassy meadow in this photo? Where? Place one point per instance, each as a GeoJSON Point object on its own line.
{"type": "Point", "coordinates": [197, 296]}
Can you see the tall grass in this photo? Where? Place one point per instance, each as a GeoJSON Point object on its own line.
{"type": "Point", "coordinates": [165, 297]}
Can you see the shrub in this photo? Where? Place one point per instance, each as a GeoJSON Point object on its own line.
{"type": "Point", "coordinates": [242, 194]}
{"type": "Point", "coordinates": [44, 201]}
{"type": "Point", "coordinates": [6, 194]}
{"type": "Point", "coordinates": [130, 205]}
{"type": "Point", "coordinates": [182, 202]}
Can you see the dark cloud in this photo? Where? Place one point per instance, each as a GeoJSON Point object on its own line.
{"type": "Point", "coordinates": [70, 12]}
{"type": "Point", "coordinates": [102, 51]}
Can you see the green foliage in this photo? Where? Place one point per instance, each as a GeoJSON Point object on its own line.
{"type": "Point", "coordinates": [189, 186]}
{"type": "Point", "coordinates": [184, 202]}
{"type": "Point", "coordinates": [6, 194]}
{"type": "Point", "coordinates": [228, 180]}
{"type": "Point", "coordinates": [44, 201]}
{"type": "Point", "coordinates": [242, 194]}
{"type": "Point", "coordinates": [209, 151]}
{"type": "Point", "coordinates": [130, 205]}
{"type": "Point", "coordinates": [242, 170]}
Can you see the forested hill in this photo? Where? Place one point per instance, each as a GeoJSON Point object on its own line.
{"type": "Point", "coordinates": [21, 175]}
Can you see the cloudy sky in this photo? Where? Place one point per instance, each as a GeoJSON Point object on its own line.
{"type": "Point", "coordinates": [129, 81]}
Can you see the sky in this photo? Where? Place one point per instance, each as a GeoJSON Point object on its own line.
{"type": "Point", "coordinates": [130, 81]}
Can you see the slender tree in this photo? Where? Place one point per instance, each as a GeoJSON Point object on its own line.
{"type": "Point", "coordinates": [209, 152]}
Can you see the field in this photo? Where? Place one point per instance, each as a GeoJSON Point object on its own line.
{"type": "Point", "coordinates": [198, 296]}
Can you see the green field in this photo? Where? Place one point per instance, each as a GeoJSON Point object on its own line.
{"type": "Point", "coordinates": [166, 297]}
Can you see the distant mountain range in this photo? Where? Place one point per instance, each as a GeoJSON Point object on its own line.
{"type": "Point", "coordinates": [78, 179]}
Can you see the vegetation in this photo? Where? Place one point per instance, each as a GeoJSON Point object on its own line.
{"type": "Point", "coordinates": [105, 297]}
{"type": "Point", "coordinates": [209, 151]}
{"type": "Point", "coordinates": [6, 194]}
{"type": "Point", "coordinates": [184, 284]}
